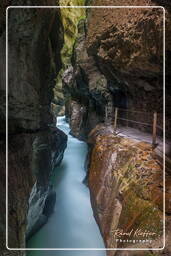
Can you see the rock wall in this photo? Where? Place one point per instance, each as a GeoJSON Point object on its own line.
{"type": "Point", "coordinates": [118, 62]}
{"type": "Point", "coordinates": [35, 38]}
{"type": "Point", "coordinates": [84, 88]}
{"type": "Point", "coordinates": [126, 186]}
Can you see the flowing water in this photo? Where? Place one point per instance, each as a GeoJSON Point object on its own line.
{"type": "Point", "coordinates": [72, 225]}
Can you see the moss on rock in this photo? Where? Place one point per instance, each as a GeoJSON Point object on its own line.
{"type": "Point", "coordinates": [70, 19]}
{"type": "Point", "coordinates": [127, 171]}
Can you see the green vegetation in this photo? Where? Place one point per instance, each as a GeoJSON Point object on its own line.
{"type": "Point", "coordinates": [70, 19]}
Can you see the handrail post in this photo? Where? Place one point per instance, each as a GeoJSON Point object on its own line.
{"type": "Point", "coordinates": [154, 129]}
{"type": "Point", "coordinates": [115, 121]}
{"type": "Point", "coordinates": [106, 114]}
{"type": "Point", "coordinates": [127, 118]}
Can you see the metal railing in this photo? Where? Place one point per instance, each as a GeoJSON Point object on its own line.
{"type": "Point", "coordinates": [151, 122]}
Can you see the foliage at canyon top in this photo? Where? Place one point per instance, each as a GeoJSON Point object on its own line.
{"type": "Point", "coordinates": [70, 19]}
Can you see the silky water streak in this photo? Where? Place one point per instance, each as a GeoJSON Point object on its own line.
{"type": "Point", "coordinates": [72, 225]}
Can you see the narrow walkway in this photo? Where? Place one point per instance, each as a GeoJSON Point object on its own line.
{"type": "Point", "coordinates": [143, 136]}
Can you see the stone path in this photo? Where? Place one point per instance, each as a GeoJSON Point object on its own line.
{"type": "Point", "coordinates": [142, 136]}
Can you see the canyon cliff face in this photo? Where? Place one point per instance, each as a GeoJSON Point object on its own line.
{"type": "Point", "coordinates": [118, 62]}
{"type": "Point", "coordinates": [70, 19]}
{"type": "Point", "coordinates": [125, 180]}
{"type": "Point", "coordinates": [35, 146]}
{"type": "Point", "coordinates": [84, 89]}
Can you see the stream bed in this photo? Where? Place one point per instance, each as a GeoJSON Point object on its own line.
{"type": "Point", "coordinates": [72, 224]}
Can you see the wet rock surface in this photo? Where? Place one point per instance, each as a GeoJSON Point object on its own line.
{"type": "Point", "coordinates": [118, 62]}
{"type": "Point", "coordinates": [126, 185]}
{"type": "Point", "coordinates": [34, 43]}
{"type": "Point", "coordinates": [70, 18]}
{"type": "Point", "coordinates": [84, 88]}
{"type": "Point", "coordinates": [48, 150]}
{"type": "Point", "coordinates": [20, 181]}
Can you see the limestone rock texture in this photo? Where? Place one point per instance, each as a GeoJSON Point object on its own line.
{"type": "Point", "coordinates": [128, 49]}
{"type": "Point", "coordinates": [85, 89]}
{"type": "Point", "coordinates": [126, 186]}
{"type": "Point", "coordinates": [118, 62]}
{"type": "Point", "coordinates": [35, 146]}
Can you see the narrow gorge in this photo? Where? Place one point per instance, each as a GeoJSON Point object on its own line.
{"type": "Point", "coordinates": [84, 166]}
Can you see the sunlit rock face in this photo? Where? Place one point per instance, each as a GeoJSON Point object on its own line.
{"type": "Point", "coordinates": [34, 43]}
{"type": "Point", "coordinates": [125, 180]}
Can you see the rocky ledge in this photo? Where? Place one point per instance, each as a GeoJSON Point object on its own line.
{"type": "Point", "coordinates": [126, 185]}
